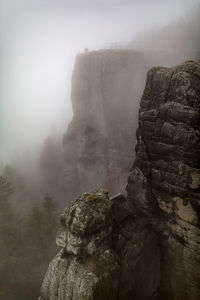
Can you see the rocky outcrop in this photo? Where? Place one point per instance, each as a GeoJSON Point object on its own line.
{"type": "Point", "coordinates": [87, 267]}
{"type": "Point", "coordinates": [99, 142]}
{"type": "Point", "coordinates": [145, 245]}
{"type": "Point", "coordinates": [164, 183]}
{"type": "Point", "coordinates": [106, 87]}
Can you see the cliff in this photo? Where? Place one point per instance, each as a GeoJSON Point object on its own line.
{"type": "Point", "coordinates": [164, 182]}
{"type": "Point", "coordinates": [106, 86]}
{"type": "Point", "coordinates": [145, 245]}
{"type": "Point", "coordinates": [99, 142]}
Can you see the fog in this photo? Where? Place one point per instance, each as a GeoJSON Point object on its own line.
{"type": "Point", "coordinates": [38, 44]}
{"type": "Point", "coordinates": [41, 171]}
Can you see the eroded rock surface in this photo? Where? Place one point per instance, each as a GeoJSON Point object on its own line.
{"type": "Point", "coordinates": [146, 245]}
{"type": "Point", "coordinates": [164, 183]}
{"type": "Point", "coordinates": [87, 266]}
{"type": "Point", "coordinates": [98, 144]}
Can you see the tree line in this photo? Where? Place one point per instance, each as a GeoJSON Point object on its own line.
{"type": "Point", "coordinates": [27, 243]}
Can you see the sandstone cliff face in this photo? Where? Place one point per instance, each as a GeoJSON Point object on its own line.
{"type": "Point", "coordinates": [87, 267]}
{"type": "Point", "coordinates": [106, 87]}
{"type": "Point", "coordinates": [98, 144]}
{"type": "Point", "coordinates": [164, 183]}
{"type": "Point", "coordinates": [145, 245]}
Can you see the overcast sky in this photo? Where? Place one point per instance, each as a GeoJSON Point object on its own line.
{"type": "Point", "coordinates": [38, 43]}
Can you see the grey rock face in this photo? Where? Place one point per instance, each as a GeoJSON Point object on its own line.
{"type": "Point", "coordinates": [147, 245]}
{"type": "Point", "coordinates": [98, 144]}
{"type": "Point", "coordinates": [87, 266]}
{"type": "Point", "coordinates": [165, 179]}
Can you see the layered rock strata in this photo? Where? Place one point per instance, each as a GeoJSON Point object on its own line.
{"type": "Point", "coordinates": [164, 183]}
{"type": "Point", "coordinates": [87, 266]}
{"type": "Point", "coordinates": [145, 245]}
{"type": "Point", "coordinates": [106, 87]}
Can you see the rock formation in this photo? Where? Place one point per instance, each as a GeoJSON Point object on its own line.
{"type": "Point", "coordinates": [99, 142]}
{"type": "Point", "coordinates": [87, 267]}
{"type": "Point", "coordinates": [106, 88]}
{"type": "Point", "coordinates": [145, 245]}
{"type": "Point", "coordinates": [164, 183]}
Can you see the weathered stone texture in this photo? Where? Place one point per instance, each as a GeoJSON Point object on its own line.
{"type": "Point", "coordinates": [165, 180]}
{"type": "Point", "coordinates": [87, 266]}
{"type": "Point", "coordinates": [98, 144]}
{"type": "Point", "coordinates": [146, 245]}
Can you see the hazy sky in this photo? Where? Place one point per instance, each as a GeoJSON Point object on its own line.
{"type": "Point", "coordinates": [38, 43]}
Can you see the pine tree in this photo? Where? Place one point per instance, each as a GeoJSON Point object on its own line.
{"type": "Point", "coordinates": [40, 232]}
{"type": "Point", "coordinates": [9, 241]}
{"type": "Point", "coordinates": [50, 219]}
{"type": "Point", "coordinates": [51, 166]}
{"type": "Point", "coordinates": [42, 225]}
{"type": "Point", "coordinates": [25, 244]}
{"type": "Point", "coordinates": [6, 189]}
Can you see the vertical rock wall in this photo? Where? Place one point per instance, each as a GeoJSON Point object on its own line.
{"type": "Point", "coordinates": [106, 88]}
{"type": "Point", "coordinates": [147, 245]}
{"type": "Point", "coordinates": [164, 184]}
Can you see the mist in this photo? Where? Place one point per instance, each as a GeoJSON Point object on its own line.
{"type": "Point", "coordinates": [49, 153]}
{"type": "Point", "coordinates": [39, 41]}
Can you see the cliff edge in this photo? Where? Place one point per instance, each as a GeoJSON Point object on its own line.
{"type": "Point", "coordinates": [106, 86]}
{"type": "Point", "coordinates": [145, 245]}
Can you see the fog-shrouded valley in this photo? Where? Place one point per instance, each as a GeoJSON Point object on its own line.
{"type": "Point", "coordinates": [100, 147]}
